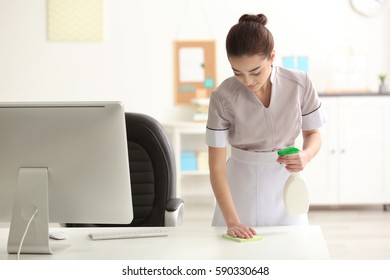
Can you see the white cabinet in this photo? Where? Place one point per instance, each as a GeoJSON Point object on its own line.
{"type": "Point", "coordinates": [188, 137]}
{"type": "Point", "coordinates": [352, 165]}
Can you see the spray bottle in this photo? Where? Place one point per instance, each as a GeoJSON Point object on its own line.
{"type": "Point", "coordinates": [295, 193]}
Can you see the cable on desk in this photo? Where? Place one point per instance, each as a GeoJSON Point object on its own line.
{"type": "Point", "coordinates": [25, 233]}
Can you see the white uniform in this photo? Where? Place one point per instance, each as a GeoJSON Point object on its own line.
{"type": "Point", "coordinates": [255, 133]}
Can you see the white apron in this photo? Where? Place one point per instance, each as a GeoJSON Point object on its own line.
{"type": "Point", "coordinates": [256, 182]}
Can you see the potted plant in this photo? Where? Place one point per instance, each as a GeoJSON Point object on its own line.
{"type": "Point", "coordinates": [382, 85]}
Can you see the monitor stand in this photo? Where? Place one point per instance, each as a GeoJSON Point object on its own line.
{"type": "Point", "coordinates": [31, 195]}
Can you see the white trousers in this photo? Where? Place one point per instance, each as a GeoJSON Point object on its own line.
{"type": "Point", "coordinates": [256, 182]}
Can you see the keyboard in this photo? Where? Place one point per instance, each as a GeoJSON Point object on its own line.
{"type": "Point", "coordinates": [125, 234]}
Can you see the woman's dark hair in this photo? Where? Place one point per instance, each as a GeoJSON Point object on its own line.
{"type": "Point", "coordinates": [249, 37]}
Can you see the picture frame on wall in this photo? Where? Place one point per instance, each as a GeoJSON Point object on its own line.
{"type": "Point", "coordinates": [195, 70]}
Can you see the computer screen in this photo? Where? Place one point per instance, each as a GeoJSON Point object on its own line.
{"type": "Point", "coordinates": [62, 162]}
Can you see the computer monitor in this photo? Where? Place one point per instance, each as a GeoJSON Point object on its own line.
{"type": "Point", "coordinates": [61, 162]}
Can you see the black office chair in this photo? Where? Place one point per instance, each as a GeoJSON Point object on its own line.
{"type": "Point", "coordinates": [152, 175]}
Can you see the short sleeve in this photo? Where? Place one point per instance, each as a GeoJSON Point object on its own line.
{"type": "Point", "coordinates": [217, 125]}
{"type": "Point", "coordinates": [313, 114]}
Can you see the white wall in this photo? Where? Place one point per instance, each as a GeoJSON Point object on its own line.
{"type": "Point", "coordinates": [134, 63]}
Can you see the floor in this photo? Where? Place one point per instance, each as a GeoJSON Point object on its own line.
{"type": "Point", "coordinates": [354, 233]}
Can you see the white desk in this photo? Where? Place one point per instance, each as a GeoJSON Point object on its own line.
{"type": "Point", "coordinates": [187, 243]}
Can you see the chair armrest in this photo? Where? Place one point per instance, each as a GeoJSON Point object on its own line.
{"type": "Point", "coordinates": [174, 211]}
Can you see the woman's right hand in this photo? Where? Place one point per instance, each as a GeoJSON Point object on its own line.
{"type": "Point", "coordinates": [241, 231]}
{"type": "Point", "coordinates": [220, 185]}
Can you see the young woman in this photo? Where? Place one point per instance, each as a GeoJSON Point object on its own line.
{"type": "Point", "coordinates": [259, 111]}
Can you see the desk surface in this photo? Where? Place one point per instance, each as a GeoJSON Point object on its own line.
{"type": "Point", "coordinates": [186, 243]}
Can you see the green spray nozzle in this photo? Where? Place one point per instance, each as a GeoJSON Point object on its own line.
{"type": "Point", "coordinates": [288, 151]}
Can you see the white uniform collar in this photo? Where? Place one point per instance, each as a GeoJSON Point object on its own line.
{"type": "Point", "coordinates": [272, 78]}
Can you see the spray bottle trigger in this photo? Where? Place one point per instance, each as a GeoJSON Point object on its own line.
{"type": "Point", "coordinates": [288, 151]}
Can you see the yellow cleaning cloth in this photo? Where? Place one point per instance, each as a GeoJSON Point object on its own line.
{"type": "Point", "coordinates": [237, 239]}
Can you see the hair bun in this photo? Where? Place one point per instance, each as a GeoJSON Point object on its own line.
{"type": "Point", "coordinates": [260, 18]}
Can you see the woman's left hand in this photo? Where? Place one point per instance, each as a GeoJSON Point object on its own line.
{"type": "Point", "coordinates": [311, 145]}
{"type": "Point", "coordinates": [295, 162]}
